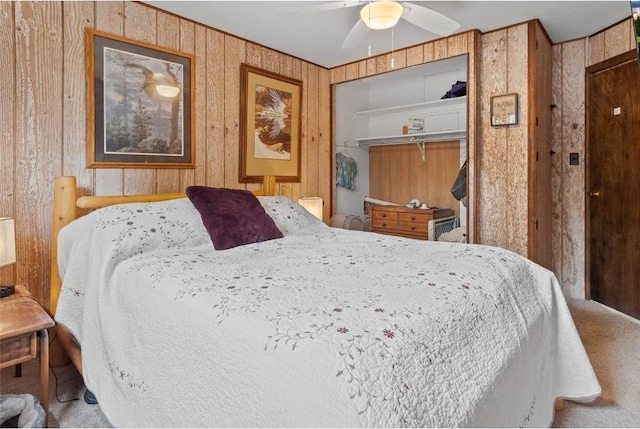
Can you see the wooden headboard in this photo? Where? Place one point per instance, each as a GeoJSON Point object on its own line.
{"type": "Point", "coordinates": [65, 209]}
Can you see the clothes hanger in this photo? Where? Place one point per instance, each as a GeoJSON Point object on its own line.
{"type": "Point", "coordinates": [344, 151]}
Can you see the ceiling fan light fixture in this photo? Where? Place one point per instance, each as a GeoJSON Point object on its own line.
{"type": "Point", "coordinates": [381, 15]}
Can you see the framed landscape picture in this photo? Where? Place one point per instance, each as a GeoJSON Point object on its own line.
{"type": "Point", "coordinates": [139, 104]}
{"type": "Point", "coordinates": [270, 122]}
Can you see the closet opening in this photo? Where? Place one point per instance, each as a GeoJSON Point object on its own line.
{"type": "Point", "coordinates": [401, 140]}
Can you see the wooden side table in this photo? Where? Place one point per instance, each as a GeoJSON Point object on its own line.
{"type": "Point", "coordinates": [22, 322]}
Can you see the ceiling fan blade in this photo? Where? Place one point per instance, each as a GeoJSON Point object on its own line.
{"type": "Point", "coordinates": [429, 19]}
{"type": "Point", "coordinates": [323, 7]}
{"type": "Point", "coordinates": [356, 35]}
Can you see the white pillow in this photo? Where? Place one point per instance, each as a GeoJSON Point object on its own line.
{"type": "Point", "coordinates": [290, 217]}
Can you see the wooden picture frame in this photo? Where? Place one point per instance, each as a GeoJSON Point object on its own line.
{"type": "Point", "coordinates": [504, 110]}
{"type": "Point", "coordinates": [140, 104]}
{"type": "Point", "coordinates": [270, 126]}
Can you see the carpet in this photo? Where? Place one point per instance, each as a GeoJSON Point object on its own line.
{"type": "Point", "coordinates": [612, 341]}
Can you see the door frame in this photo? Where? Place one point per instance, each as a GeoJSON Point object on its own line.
{"type": "Point", "coordinates": [589, 71]}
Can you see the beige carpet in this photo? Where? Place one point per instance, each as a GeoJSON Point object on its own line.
{"type": "Point", "coordinates": [69, 409]}
{"type": "Point", "coordinates": [612, 341]}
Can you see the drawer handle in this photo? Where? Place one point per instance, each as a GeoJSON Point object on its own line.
{"type": "Point", "coordinates": [413, 228]}
{"type": "Point", "coordinates": [383, 215]}
{"type": "Point", "coordinates": [384, 224]}
{"type": "Point", "coordinates": [413, 217]}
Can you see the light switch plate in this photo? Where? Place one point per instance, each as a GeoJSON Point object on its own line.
{"type": "Point", "coordinates": [574, 158]}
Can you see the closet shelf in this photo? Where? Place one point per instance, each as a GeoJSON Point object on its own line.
{"type": "Point", "coordinates": [434, 136]}
{"type": "Point", "coordinates": [419, 139]}
{"type": "Point", "coordinates": [456, 101]}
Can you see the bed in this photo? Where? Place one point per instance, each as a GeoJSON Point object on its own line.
{"type": "Point", "coordinates": [323, 327]}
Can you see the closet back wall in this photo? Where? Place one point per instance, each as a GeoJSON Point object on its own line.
{"type": "Point", "coordinates": [42, 114]}
{"type": "Point", "coordinates": [397, 173]}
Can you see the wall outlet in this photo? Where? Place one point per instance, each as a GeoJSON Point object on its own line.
{"type": "Point", "coordinates": [6, 290]}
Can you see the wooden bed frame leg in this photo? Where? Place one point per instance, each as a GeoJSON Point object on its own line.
{"type": "Point", "coordinates": [559, 405]}
{"type": "Point", "coordinates": [57, 356]}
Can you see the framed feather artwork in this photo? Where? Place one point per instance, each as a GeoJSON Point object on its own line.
{"type": "Point", "coordinates": [270, 110]}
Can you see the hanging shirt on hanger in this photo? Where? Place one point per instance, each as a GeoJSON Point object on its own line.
{"type": "Point", "coordinates": [346, 170]}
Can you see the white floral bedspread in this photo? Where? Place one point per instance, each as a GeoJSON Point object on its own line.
{"type": "Point", "coordinates": [324, 327]}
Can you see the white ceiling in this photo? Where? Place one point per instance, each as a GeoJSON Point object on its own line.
{"type": "Point", "coordinates": [317, 37]}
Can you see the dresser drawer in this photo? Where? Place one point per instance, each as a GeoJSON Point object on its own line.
{"type": "Point", "coordinates": [414, 217]}
{"type": "Point", "coordinates": [382, 223]}
{"type": "Point", "coordinates": [384, 215]}
{"type": "Point", "coordinates": [415, 227]}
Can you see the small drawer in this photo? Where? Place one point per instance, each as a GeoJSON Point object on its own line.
{"type": "Point", "coordinates": [377, 222]}
{"type": "Point", "coordinates": [17, 350]}
{"type": "Point", "coordinates": [388, 215]}
{"type": "Point", "coordinates": [414, 217]}
{"type": "Point", "coordinates": [415, 227]}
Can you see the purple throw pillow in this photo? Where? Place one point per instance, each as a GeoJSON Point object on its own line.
{"type": "Point", "coordinates": [232, 217]}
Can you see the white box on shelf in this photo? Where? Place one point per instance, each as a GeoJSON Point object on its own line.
{"type": "Point", "coordinates": [415, 125]}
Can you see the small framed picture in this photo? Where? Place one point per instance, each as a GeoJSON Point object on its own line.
{"type": "Point", "coordinates": [504, 110]}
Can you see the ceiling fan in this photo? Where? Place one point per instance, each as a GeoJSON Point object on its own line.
{"type": "Point", "coordinates": [380, 15]}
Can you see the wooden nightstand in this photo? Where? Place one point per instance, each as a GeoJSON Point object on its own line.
{"type": "Point", "coordinates": [22, 321]}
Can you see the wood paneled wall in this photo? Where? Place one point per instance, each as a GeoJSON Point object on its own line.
{"type": "Point", "coordinates": [568, 135]}
{"type": "Point", "coordinates": [503, 158]}
{"type": "Point", "coordinates": [540, 153]}
{"type": "Point", "coordinates": [43, 115]}
{"type": "Point", "coordinates": [514, 161]}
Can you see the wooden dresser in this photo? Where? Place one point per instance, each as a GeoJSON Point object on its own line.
{"type": "Point", "coordinates": [403, 221]}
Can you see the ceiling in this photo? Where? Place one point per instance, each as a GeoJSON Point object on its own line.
{"type": "Point", "coordinates": [317, 37]}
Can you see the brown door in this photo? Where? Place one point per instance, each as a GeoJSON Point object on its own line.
{"type": "Point", "coordinates": [613, 183]}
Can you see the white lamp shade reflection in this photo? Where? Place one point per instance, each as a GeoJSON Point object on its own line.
{"type": "Point", "coordinates": [168, 91]}
{"type": "Point", "coordinates": [313, 205]}
{"type": "Point", "coordinates": [7, 241]}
